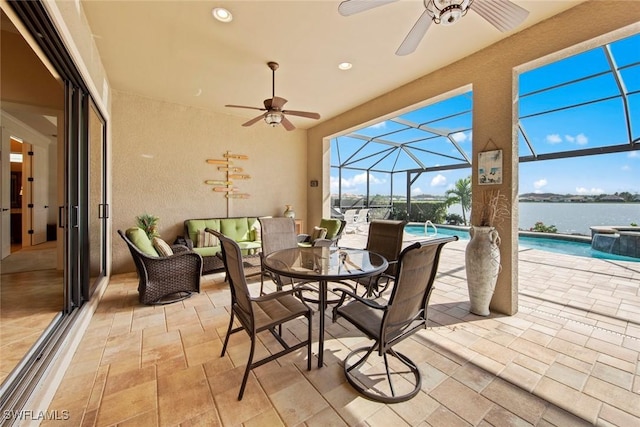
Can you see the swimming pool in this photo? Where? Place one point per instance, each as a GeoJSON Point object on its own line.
{"type": "Point", "coordinates": [567, 247]}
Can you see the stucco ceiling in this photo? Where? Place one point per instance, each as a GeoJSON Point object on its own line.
{"type": "Point", "coordinates": [176, 51]}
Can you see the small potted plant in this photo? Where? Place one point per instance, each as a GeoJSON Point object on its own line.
{"type": "Point", "coordinates": [149, 223]}
{"type": "Point", "coordinates": [482, 255]}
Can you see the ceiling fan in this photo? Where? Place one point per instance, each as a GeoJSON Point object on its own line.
{"type": "Point", "coordinates": [274, 114]}
{"type": "Point", "coordinates": [502, 14]}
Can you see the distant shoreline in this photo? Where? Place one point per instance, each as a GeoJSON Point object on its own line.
{"type": "Point", "coordinates": [577, 201]}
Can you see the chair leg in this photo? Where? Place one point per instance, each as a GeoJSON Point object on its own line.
{"type": "Point", "coordinates": [226, 339]}
{"type": "Point", "coordinates": [386, 367]}
{"type": "Point", "coordinates": [309, 341]}
{"type": "Point", "coordinates": [248, 369]}
{"type": "Point", "coordinates": [371, 387]}
{"type": "Point", "coordinates": [261, 283]}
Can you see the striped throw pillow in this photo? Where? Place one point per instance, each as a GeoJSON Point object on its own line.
{"type": "Point", "coordinates": [206, 239]}
{"type": "Point", "coordinates": [162, 247]}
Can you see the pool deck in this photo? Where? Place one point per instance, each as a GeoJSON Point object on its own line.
{"type": "Point", "coordinates": [569, 357]}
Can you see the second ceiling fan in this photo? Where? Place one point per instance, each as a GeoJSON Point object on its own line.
{"type": "Point", "coordinates": [502, 14]}
{"type": "Point", "coordinates": [274, 114]}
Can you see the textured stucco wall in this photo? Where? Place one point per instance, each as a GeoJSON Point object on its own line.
{"type": "Point", "coordinates": [490, 73]}
{"type": "Point", "coordinates": [159, 167]}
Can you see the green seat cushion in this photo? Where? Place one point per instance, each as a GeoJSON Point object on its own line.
{"type": "Point", "coordinates": [332, 226]}
{"type": "Point", "coordinates": [207, 251]}
{"type": "Point", "coordinates": [139, 238]}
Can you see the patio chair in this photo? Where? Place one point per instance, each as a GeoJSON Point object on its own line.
{"type": "Point", "coordinates": [385, 238]}
{"type": "Point", "coordinates": [259, 314]}
{"type": "Point", "coordinates": [163, 279]}
{"type": "Point", "coordinates": [362, 219]}
{"type": "Point", "coordinates": [332, 229]}
{"type": "Point", "coordinates": [388, 323]}
{"type": "Point", "coordinates": [350, 219]}
{"type": "Point", "coordinates": [277, 234]}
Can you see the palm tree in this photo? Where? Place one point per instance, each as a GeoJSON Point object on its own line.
{"type": "Point", "coordinates": [461, 193]}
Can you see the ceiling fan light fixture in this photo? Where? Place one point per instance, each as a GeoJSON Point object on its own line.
{"type": "Point", "coordinates": [273, 118]}
{"type": "Point", "coordinates": [222, 14]}
{"type": "Point", "coordinates": [447, 12]}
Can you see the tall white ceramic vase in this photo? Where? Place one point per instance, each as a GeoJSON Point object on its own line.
{"type": "Point", "coordinates": [482, 261]}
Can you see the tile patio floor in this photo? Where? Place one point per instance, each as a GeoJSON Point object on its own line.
{"type": "Point", "coordinates": [570, 356]}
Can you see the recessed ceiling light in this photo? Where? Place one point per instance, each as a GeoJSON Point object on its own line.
{"type": "Point", "coordinates": [222, 14]}
{"type": "Point", "coordinates": [345, 65]}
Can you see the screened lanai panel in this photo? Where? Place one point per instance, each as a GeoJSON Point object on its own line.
{"type": "Point", "coordinates": [343, 148]}
{"type": "Point", "coordinates": [440, 150]}
{"type": "Point", "coordinates": [626, 51]}
{"type": "Point", "coordinates": [584, 103]}
{"type": "Point", "coordinates": [381, 129]}
{"type": "Point", "coordinates": [567, 130]}
{"type": "Point", "coordinates": [581, 92]}
{"type": "Point", "coordinates": [566, 70]}
{"type": "Point", "coordinates": [431, 136]}
{"type": "Point", "coordinates": [634, 111]}
{"type": "Point", "coordinates": [372, 160]}
{"type": "Point", "coordinates": [631, 78]}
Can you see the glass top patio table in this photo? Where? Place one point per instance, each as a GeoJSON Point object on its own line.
{"type": "Point", "coordinates": [324, 264]}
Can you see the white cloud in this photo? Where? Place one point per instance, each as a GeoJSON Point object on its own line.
{"type": "Point", "coordinates": [626, 168]}
{"type": "Point", "coordinates": [459, 137]}
{"type": "Point", "coordinates": [379, 125]}
{"type": "Point", "coordinates": [583, 190]}
{"type": "Point", "coordinates": [540, 183]}
{"type": "Point", "coordinates": [333, 183]}
{"type": "Point", "coordinates": [580, 139]}
{"type": "Point", "coordinates": [633, 155]}
{"type": "Point", "coordinates": [439, 181]}
{"type": "Point", "coordinates": [416, 190]}
{"type": "Point", "coordinates": [349, 184]}
{"type": "Point", "coordinates": [553, 138]}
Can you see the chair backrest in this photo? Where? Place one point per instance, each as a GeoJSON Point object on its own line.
{"type": "Point", "coordinates": [338, 235]}
{"type": "Point", "coordinates": [363, 216]}
{"type": "Point", "coordinates": [277, 234]}
{"type": "Point", "coordinates": [350, 215]}
{"type": "Point", "coordinates": [240, 296]}
{"type": "Point", "coordinates": [417, 268]}
{"type": "Point", "coordinates": [136, 254]}
{"type": "Point", "coordinates": [385, 238]}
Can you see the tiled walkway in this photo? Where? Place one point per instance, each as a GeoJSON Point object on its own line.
{"type": "Point", "coordinates": [570, 356]}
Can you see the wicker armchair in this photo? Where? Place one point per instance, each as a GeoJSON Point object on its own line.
{"type": "Point", "coordinates": [164, 280]}
{"type": "Point", "coordinates": [389, 322]}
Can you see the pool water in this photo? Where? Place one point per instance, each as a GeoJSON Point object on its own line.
{"type": "Point", "coordinates": [566, 247]}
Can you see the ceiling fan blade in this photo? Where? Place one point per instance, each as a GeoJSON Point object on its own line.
{"type": "Point", "coordinates": [254, 120]}
{"type": "Point", "coordinates": [302, 114]}
{"type": "Point", "coordinates": [351, 7]}
{"type": "Point", "coordinates": [411, 42]}
{"type": "Point", "coordinates": [277, 102]}
{"type": "Point", "coordinates": [502, 14]}
{"type": "Point", "coordinates": [287, 124]}
{"type": "Point", "coordinates": [244, 106]}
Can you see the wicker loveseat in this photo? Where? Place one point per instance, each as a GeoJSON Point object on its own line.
{"type": "Point", "coordinates": [244, 230]}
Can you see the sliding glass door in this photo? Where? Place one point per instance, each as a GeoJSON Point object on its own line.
{"type": "Point", "coordinates": [66, 201]}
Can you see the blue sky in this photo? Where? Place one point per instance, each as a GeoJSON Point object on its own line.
{"type": "Point", "coordinates": [596, 118]}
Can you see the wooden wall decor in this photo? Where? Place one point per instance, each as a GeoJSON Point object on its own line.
{"type": "Point", "coordinates": [232, 172]}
